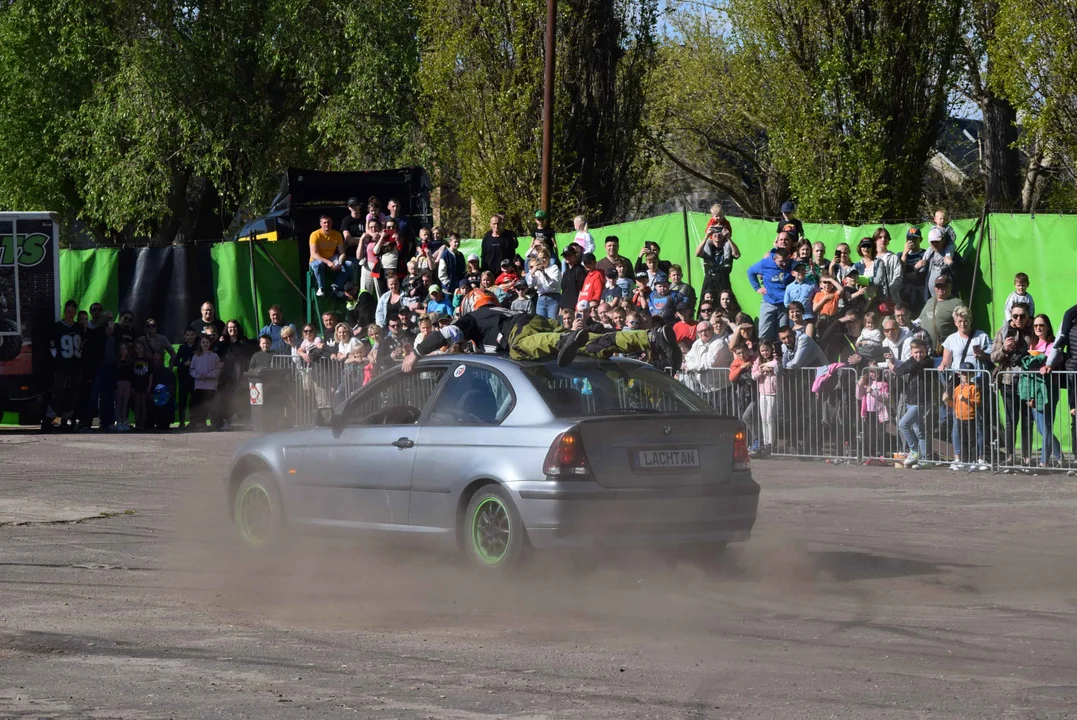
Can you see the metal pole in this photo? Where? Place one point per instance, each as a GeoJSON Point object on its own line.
{"type": "Point", "coordinates": [547, 103]}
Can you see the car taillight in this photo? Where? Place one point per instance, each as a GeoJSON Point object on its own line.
{"type": "Point", "coordinates": [740, 449]}
{"type": "Point", "coordinates": [566, 457]}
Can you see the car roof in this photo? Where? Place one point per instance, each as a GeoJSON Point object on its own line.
{"type": "Point", "coordinates": [504, 361]}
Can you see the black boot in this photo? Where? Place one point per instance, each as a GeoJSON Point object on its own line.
{"type": "Point", "coordinates": [568, 345]}
{"type": "Point", "coordinates": [664, 341]}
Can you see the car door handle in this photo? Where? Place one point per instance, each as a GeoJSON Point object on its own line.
{"type": "Point", "coordinates": [403, 443]}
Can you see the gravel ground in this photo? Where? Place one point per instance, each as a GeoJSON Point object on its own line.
{"type": "Point", "coordinates": [865, 593]}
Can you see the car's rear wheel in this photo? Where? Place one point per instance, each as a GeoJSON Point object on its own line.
{"type": "Point", "coordinates": [494, 537]}
{"type": "Point", "coordinates": [257, 511]}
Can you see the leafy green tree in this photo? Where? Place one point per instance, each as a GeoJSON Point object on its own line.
{"type": "Point", "coordinates": [701, 117]}
{"type": "Point", "coordinates": [848, 94]}
{"type": "Point", "coordinates": [1035, 66]}
{"type": "Point", "coordinates": [482, 77]}
{"type": "Point", "coordinates": [1001, 159]}
{"type": "Point", "coordinates": [141, 117]}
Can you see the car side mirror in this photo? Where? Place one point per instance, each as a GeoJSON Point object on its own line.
{"type": "Point", "coordinates": [323, 417]}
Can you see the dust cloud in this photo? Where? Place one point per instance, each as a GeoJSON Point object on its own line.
{"type": "Point", "coordinates": [356, 583]}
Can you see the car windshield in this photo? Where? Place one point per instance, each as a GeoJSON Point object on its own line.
{"type": "Point", "coordinates": [609, 388]}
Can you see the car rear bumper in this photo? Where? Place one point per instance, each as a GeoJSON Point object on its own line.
{"type": "Point", "coordinates": [584, 514]}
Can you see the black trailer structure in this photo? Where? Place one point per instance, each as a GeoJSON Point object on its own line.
{"type": "Point", "coordinates": [306, 194]}
{"type": "Point", "coordinates": [29, 307]}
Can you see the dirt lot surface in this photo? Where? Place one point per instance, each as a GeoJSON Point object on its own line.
{"type": "Point", "coordinates": [865, 593]}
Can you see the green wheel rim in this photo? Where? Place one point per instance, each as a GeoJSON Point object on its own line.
{"type": "Point", "coordinates": [254, 514]}
{"type": "Point", "coordinates": [491, 531]}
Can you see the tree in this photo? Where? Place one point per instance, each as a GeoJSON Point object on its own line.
{"type": "Point", "coordinates": [1036, 70]}
{"type": "Point", "coordinates": [143, 118]}
{"type": "Point", "coordinates": [848, 94]}
{"type": "Point", "coordinates": [1001, 158]}
{"type": "Point", "coordinates": [481, 78]}
{"type": "Point", "coordinates": [701, 117]}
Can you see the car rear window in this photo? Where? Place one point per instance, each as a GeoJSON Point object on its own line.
{"type": "Point", "coordinates": [604, 388]}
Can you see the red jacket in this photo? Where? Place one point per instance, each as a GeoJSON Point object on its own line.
{"type": "Point", "coordinates": [592, 286]}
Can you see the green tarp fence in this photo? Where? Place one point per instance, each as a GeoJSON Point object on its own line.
{"type": "Point", "coordinates": [1044, 246]}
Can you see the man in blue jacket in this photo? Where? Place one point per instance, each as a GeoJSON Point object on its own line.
{"type": "Point", "coordinates": [769, 277]}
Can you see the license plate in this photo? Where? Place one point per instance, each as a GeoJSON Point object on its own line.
{"type": "Point", "coordinates": [668, 459]}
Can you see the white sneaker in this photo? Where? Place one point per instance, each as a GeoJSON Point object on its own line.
{"type": "Point", "coordinates": [911, 459]}
{"type": "Point", "coordinates": [957, 467]}
{"type": "Point", "coordinates": [982, 466]}
{"type": "Point", "coordinates": [319, 292]}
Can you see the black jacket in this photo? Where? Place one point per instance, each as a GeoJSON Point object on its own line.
{"type": "Point", "coordinates": [571, 284]}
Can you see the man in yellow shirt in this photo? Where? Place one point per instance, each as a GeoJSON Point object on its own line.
{"type": "Point", "coordinates": [327, 260]}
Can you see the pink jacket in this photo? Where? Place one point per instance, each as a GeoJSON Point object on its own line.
{"type": "Point", "coordinates": [768, 382]}
{"type": "Point", "coordinates": [874, 399]}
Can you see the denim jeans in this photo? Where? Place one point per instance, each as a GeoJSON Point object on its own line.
{"type": "Point", "coordinates": [911, 425]}
{"type": "Point", "coordinates": [325, 276]}
{"type": "Point", "coordinates": [547, 305]}
{"type": "Point", "coordinates": [105, 392]}
{"type": "Point", "coordinates": [955, 437]}
{"type": "Point", "coordinates": [771, 317]}
{"type": "Point", "coordinates": [1045, 421]}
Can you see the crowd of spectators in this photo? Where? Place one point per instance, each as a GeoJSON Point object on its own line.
{"type": "Point", "coordinates": [386, 284]}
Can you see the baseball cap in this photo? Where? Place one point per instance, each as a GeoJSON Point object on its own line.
{"type": "Point", "coordinates": [520, 284]}
{"type": "Point", "coordinates": [589, 258]}
{"type": "Point", "coordinates": [914, 232]}
{"type": "Point", "coordinates": [434, 288]}
{"type": "Point", "coordinates": [472, 256]}
{"type": "Point", "coordinates": [866, 242]}
{"type": "Point", "coordinates": [506, 263]}
{"type": "Point", "coordinates": [799, 264]}
{"type": "Point", "coordinates": [353, 201]}
{"type": "Point", "coordinates": [642, 275]}
{"type": "Point", "coordinates": [570, 249]}
{"type": "Point", "coordinates": [788, 206]}
{"type": "Point", "coordinates": [661, 278]}
{"type": "Point", "coordinates": [540, 215]}
{"type": "Point", "coordinates": [942, 281]}
{"type": "Point", "coordinates": [583, 305]}
{"type": "Point", "coordinates": [935, 235]}
{"type": "Point", "coordinates": [465, 285]}
{"type": "Point", "coordinates": [611, 273]}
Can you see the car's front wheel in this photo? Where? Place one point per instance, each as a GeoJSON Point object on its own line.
{"type": "Point", "coordinates": [494, 537]}
{"type": "Point", "coordinates": [257, 511]}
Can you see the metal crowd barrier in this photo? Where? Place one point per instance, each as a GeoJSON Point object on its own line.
{"type": "Point", "coordinates": [1036, 429]}
{"type": "Point", "coordinates": [1010, 421]}
{"type": "Point", "coordinates": [310, 385]}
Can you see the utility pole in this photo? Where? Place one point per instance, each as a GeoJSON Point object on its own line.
{"type": "Point", "coordinates": [547, 103]}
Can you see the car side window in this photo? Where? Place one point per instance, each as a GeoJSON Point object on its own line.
{"type": "Point", "coordinates": [397, 401]}
{"type": "Point", "coordinates": [475, 396]}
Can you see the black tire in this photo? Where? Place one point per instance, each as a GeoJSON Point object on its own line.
{"type": "Point", "coordinates": [492, 536]}
{"type": "Point", "coordinates": [257, 511]}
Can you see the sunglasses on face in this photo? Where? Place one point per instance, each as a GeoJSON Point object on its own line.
{"type": "Point", "coordinates": [1019, 316]}
{"type": "Point", "coordinates": [151, 325]}
{"type": "Point", "coordinates": [308, 331]}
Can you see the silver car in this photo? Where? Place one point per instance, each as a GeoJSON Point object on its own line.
{"type": "Point", "coordinates": [494, 457]}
